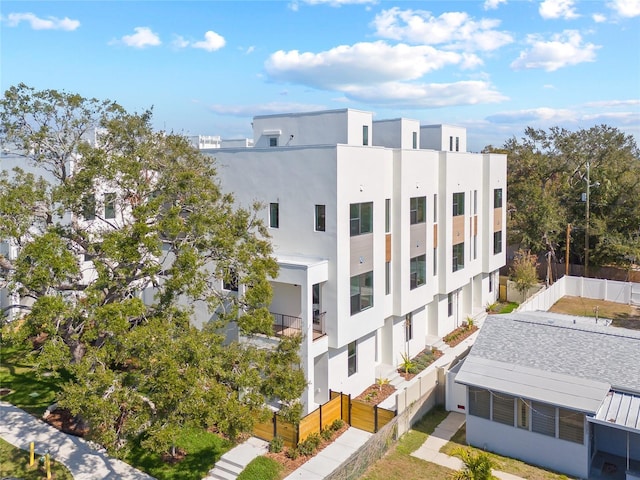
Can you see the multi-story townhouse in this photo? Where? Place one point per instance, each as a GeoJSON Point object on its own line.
{"type": "Point", "coordinates": [388, 235]}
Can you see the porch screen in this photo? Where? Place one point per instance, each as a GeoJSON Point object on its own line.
{"type": "Point", "coordinates": [571, 426]}
{"type": "Point", "coordinates": [543, 418]}
{"type": "Point", "coordinates": [479, 402]}
{"type": "Point", "coordinates": [503, 409]}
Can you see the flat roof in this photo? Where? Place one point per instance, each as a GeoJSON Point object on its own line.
{"type": "Point", "coordinates": [620, 409]}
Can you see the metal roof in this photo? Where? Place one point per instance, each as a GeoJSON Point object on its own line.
{"type": "Point", "coordinates": [552, 359]}
{"type": "Point", "coordinates": [620, 409]}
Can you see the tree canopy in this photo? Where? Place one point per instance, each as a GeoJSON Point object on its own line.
{"type": "Point", "coordinates": [123, 232]}
{"type": "Point", "coordinates": [547, 179]}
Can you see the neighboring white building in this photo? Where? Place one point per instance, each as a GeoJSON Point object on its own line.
{"type": "Point", "coordinates": [387, 239]}
{"type": "Point", "coordinates": [556, 392]}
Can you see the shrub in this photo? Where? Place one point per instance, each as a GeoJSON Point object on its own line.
{"type": "Point", "coordinates": [310, 444]}
{"type": "Point", "coordinates": [261, 468]}
{"type": "Point", "coordinates": [337, 424]}
{"type": "Point", "coordinates": [293, 453]}
{"type": "Point", "coordinates": [326, 433]}
{"type": "Point", "coordinates": [276, 444]}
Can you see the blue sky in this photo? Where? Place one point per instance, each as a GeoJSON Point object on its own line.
{"type": "Point", "coordinates": [207, 67]}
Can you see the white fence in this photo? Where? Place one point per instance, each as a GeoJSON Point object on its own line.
{"type": "Point", "coordinates": [600, 289]}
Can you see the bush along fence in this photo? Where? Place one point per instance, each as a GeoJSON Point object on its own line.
{"type": "Point", "coordinates": [361, 415]}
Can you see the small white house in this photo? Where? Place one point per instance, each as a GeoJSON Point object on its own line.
{"type": "Point", "coordinates": [556, 392]}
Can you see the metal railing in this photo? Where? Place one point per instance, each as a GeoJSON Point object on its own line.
{"type": "Point", "coordinates": [290, 325]}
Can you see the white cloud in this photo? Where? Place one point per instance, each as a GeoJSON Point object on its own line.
{"type": "Point", "coordinates": [425, 95]}
{"type": "Point", "coordinates": [37, 23]}
{"type": "Point", "coordinates": [493, 4]}
{"type": "Point", "coordinates": [625, 8]}
{"type": "Point", "coordinates": [455, 30]}
{"type": "Point", "coordinates": [179, 41]}
{"type": "Point", "coordinates": [599, 18]}
{"type": "Point", "coordinates": [556, 116]}
{"type": "Point", "coordinates": [551, 9]}
{"type": "Point", "coordinates": [338, 3]}
{"type": "Point", "coordinates": [613, 103]}
{"type": "Point", "coordinates": [250, 49]}
{"type": "Point", "coordinates": [264, 108]}
{"type": "Point", "coordinates": [562, 50]}
{"type": "Point", "coordinates": [143, 37]}
{"type": "Point", "coordinates": [212, 42]}
{"type": "Point", "coordinates": [361, 63]}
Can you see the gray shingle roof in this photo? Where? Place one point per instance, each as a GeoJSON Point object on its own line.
{"type": "Point", "coordinates": [551, 343]}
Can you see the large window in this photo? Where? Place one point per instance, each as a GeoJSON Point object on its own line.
{"type": "Point", "coordinates": [571, 426]}
{"type": "Point", "coordinates": [274, 215]}
{"type": "Point", "coordinates": [497, 198]}
{"type": "Point", "coordinates": [361, 292]}
{"type": "Point", "coordinates": [497, 242]}
{"type": "Point", "coordinates": [418, 210]}
{"type": "Point", "coordinates": [361, 218]}
{"type": "Point", "coordinates": [320, 218]}
{"type": "Point", "coordinates": [352, 358]}
{"type": "Point", "coordinates": [458, 204]}
{"type": "Point", "coordinates": [365, 135]}
{"type": "Point", "coordinates": [457, 259]}
{"type": "Point", "coordinates": [230, 281]}
{"type": "Point", "coordinates": [89, 207]}
{"type": "Point", "coordinates": [503, 409]}
{"type": "Point", "coordinates": [543, 418]}
{"type": "Point", "coordinates": [109, 205]}
{"type": "Point", "coordinates": [418, 271]}
{"type": "Point", "coordinates": [479, 402]}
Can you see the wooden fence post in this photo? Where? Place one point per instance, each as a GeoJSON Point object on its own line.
{"type": "Point", "coordinates": [375, 419]}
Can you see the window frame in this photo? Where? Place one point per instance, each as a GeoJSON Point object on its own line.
{"type": "Point", "coordinates": [365, 135]}
{"type": "Point", "coordinates": [352, 358]}
{"type": "Point", "coordinates": [497, 242]}
{"type": "Point", "coordinates": [458, 204]}
{"type": "Point", "coordinates": [274, 215]}
{"type": "Point", "coordinates": [497, 198]}
{"type": "Point", "coordinates": [457, 257]}
{"type": "Point", "coordinates": [415, 264]}
{"type": "Point", "coordinates": [408, 327]}
{"type": "Point", "coordinates": [273, 141]}
{"type": "Point", "coordinates": [387, 215]}
{"type": "Point", "coordinates": [417, 210]}
{"type": "Point", "coordinates": [414, 139]}
{"type": "Point", "coordinates": [358, 283]}
{"type": "Point", "coordinates": [354, 232]}
{"type": "Point", "coordinates": [89, 207]}
{"type": "Point", "coordinates": [320, 218]}
{"type": "Point", "coordinates": [110, 205]}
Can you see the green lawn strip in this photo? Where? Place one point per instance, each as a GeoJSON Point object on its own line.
{"type": "Point", "coordinates": [203, 450]}
{"type": "Point", "coordinates": [508, 307]}
{"type": "Point", "coordinates": [414, 438]}
{"type": "Point", "coordinates": [504, 464]}
{"type": "Point", "coordinates": [261, 468]}
{"type": "Point", "coordinates": [15, 463]}
{"type": "Point", "coordinates": [31, 391]}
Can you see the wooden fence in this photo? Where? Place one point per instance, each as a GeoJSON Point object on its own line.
{"type": "Point", "coordinates": [363, 416]}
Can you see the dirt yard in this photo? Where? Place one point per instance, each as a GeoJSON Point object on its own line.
{"type": "Point", "coordinates": [625, 316]}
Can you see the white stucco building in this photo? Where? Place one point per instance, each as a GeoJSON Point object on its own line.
{"type": "Point", "coordinates": [388, 235]}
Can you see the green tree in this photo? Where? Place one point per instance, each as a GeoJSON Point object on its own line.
{"type": "Point", "coordinates": [477, 465]}
{"type": "Point", "coordinates": [547, 179]}
{"type": "Point", "coordinates": [124, 235]}
{"type": "Point", "coordinates": [523, 271]}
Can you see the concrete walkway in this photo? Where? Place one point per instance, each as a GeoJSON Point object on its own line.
{"type": "Point", "coordinates": [235, 460]}
{"type": "Point", "coordinates": [430, 449]}
{"type": "Point", "coordinates": [20, 429]}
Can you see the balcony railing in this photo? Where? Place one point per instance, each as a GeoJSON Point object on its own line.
{"type": "Point", "coordinates": [291, 325]}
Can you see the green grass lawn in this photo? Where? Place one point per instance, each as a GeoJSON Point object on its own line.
{"type": "Point", "coordinates": [15, 463]}
{"type": "Point", "coordinates": [261, 468]}
{"type": "Point", "coordinates": [623, 315]}
{"type": "Point", "coordinates": [31, 391]}
{"type": "Point", "coordinates": [504, 464]}
{"type": "Point", "coordinates": [398, 462]}
{"type": "Point", "coordinates": [203, 450]}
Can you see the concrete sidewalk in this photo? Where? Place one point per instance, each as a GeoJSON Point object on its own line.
{"type": "Point", "coordinates": [20, 429]}
{"type": "Point", "coordinates": [430, 449]}
{"type": "Point", "coordinates": [235, 460]}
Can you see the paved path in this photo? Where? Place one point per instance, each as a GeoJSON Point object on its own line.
{"type": "Point", "coordinates": [235, 460]}
{"type": "Point", "coordinates": [20, 429]}
{"type": "Point", "coordinates": [430, 449]}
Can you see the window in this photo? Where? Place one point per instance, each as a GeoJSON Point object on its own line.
{"type": "Point", "coordinates": [523, 414]}
{"type": "Point", "coordinates": [543, 418]}
{"type": "Point", "coordinates": [274, 215]}
{"type": "Point", "coordinates": [273, 141]}
{"type": "Point", "coordinates": [497, 198]}
{"type": "Point", "coordinates": [451, 144]}
{"type": "Point", "coordinates": [479, 402]}
{"type": "Point", "coordinates": [109, 205]}
{"type": "Point", "coordinates": [435, 262]}
{"type": "Point", "coordinates": [361, 218]}
{"type": "Point", "coordinates": [316, 293]}
{"type": "Point", "coordinates": [491, 282]}
{"type": "Point", "coordinates": [457, 259]}
{"type": "Point", "coordinates": [361, 292]}
{"type": "Point", "coordinates": [320, 218]}
{"type": "Point", "coordinates": [571, 426]}
{"type": "Point", "coordinates": [415, 140]}
{"type": "Point", "coordinates": [435, 208]}
{"type": "Point", "coordinates": [365, 135]}
{"type": "Point", "coordinates": [408, 327]}
{"type": "Point", "coordinates": [387, 278]}
{"type": "Point", "coordinates": [458, 204]}
{"type": "Point", "coordinates": [475, 247]}
{"type": "Point", "coordinates": [457, 144]}
{"type": "Point", "coordinates": [387, 215]}
{"type": "Point", "coordinates": [450, 304]}
{"type": "Point", "coordinates": [503, 409]}
{"type": "Point", "coordinates": [89, 207]}
{"type": "Point", "coordinates": [352, 358]}
{"type": "Point", "coordinates": [497, 242]}
{"type": "Point", "coordinates": [230, 281]}
{"type": "Point", "coordinates": [418, 210]}
{"type": "Point", "coordinates": [475, 202]}
{"type": "Point", "coordinates": [418, 271]}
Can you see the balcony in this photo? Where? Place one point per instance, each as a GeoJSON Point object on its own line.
{"type": "Point", "coordinates": [290, 325]}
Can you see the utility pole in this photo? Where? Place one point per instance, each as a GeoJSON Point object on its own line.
{"type": "Point", "coordinates": [586, 227]}
{"type": "Point", "coordinates": [566, 267]}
